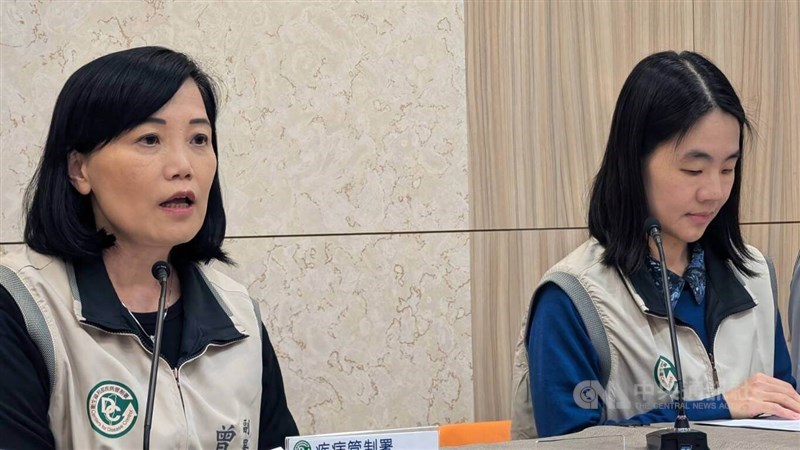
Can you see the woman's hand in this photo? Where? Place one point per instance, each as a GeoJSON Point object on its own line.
{"type": "Point", "coordinates": [763, 394]}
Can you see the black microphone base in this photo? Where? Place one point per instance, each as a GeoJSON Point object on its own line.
{"type": "Point", "coordinates": [675, 439]}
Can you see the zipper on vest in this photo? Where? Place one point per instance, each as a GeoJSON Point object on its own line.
{"type": "Point", "coordinates": [714, 370]}
{"type": "Point", "coordinates": [710, 356]}
{"type": "Point", "coordinates": [176, 373]}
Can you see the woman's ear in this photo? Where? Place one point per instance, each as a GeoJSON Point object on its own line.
{"type": "Point", "coordinates": [76, 168]}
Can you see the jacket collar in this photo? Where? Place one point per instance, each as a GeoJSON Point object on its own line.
{"type": "Point", "coordinates": [694, 276]}
{"type": "Point", "coordinates": [725, 293]}
{"type": "Point", "coordinates": [206, 320]}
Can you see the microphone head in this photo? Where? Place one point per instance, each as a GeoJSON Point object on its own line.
{"type": "Point", "coordinates": [160, 271]}
{"type": "Point", "coordinates": [652, 226]}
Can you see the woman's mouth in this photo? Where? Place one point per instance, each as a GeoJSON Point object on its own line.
{"type": "Point", "coordinates": [179, 202]}
{"type": "Point", "coordinates": [701, 218]}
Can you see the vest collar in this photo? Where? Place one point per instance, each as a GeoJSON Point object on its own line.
{"type": "Point", "coordinates": [725, 293]}
{"type": "Point", "coordinates": [205, 318]}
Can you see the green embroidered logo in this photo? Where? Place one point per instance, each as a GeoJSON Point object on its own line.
{"type": "Point", "coordinates": [665, 375]}
{"type": "Point", "coordinates": [302, 445]}
{"type": "Point", "coordinates": [112, 408]}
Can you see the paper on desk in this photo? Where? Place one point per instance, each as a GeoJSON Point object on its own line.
{"type": "Point", "coordinates": [767, 423]}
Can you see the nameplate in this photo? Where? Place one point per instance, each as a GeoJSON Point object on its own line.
{"type": "Point", "coordinates": [421, 438]}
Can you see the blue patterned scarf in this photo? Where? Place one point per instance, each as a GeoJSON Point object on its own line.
{"type": "Point", "coordinates": [695, 275]}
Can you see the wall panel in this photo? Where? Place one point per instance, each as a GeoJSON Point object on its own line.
{"type": "Point", "coordinates": [506, 267]}
{"type": "Point", "coordinates": [371, 331]}
{"type": "Point", "coordinates": [335, 117]}
{"type": "Point", "coordinates": [542, 80]}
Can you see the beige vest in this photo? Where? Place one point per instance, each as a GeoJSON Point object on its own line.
{"type": "Point", "coordinates": [632, 340]}
{"type": "Point", "coordinates": [99, 379]}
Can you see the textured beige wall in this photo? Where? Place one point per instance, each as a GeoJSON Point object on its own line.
{"type": "Point", "coordinates": [371, 331]}
{"type": "Point", "coordinates": [336, 118]}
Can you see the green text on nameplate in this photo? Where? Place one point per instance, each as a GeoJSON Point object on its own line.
{"type": "Point", "coordinates": [420, 438]}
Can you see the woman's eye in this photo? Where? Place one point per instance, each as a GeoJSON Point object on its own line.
{"type": "Point", "coordinates": [149, 140]}
{"type": "Point", "coordinates": [200, 139]}
{"type": "Point", "coordinates": [692, 172]}
{"type": "Point", "coordinates": [727, 171]}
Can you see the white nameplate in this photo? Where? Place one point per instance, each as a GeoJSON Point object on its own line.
{"type": "Point", "coordinates": [421, 438]}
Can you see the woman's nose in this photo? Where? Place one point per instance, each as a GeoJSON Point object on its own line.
{"type": "Point", "coordinates": [178, 163]}
{"type": "Point", "coordinates": [712, 189]}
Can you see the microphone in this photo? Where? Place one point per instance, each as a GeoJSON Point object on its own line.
{"type": "Point", "coordinates": [681, 436]}
{"type": "Point", "coordinates": [161, 273]}
{"type": "Point", "coordinates": [651, 226]}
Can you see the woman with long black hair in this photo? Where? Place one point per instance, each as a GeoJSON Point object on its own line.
{"type": "Point", "coordinates": [596, 346]}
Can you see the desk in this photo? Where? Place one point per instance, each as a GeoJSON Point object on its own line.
{"type": "Point", "coordinates": [603, 437]}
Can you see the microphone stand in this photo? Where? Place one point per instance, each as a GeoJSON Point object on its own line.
{"type": "Point", "coordinates": [681, 436]}
{"type": "Point", "coordinates": [161, 273]}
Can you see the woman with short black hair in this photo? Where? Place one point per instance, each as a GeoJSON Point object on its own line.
{"type": "Point", "coordinates": [128, 177]}
{"type": "Point", "coordinates": [596, 346]}
{"type": "Point", "coordinates": [99, 103]}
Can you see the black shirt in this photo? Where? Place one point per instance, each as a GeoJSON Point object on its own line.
{"type": "Point", "coordinates": [170, 335]}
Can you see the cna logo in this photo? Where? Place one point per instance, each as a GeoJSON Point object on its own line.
{"type": "Point", "coordinates": [112, 408]}
{"type": "Point", "coordinates": [665, 374]}
{"type": "Point", "coordinates": [588, 393]}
